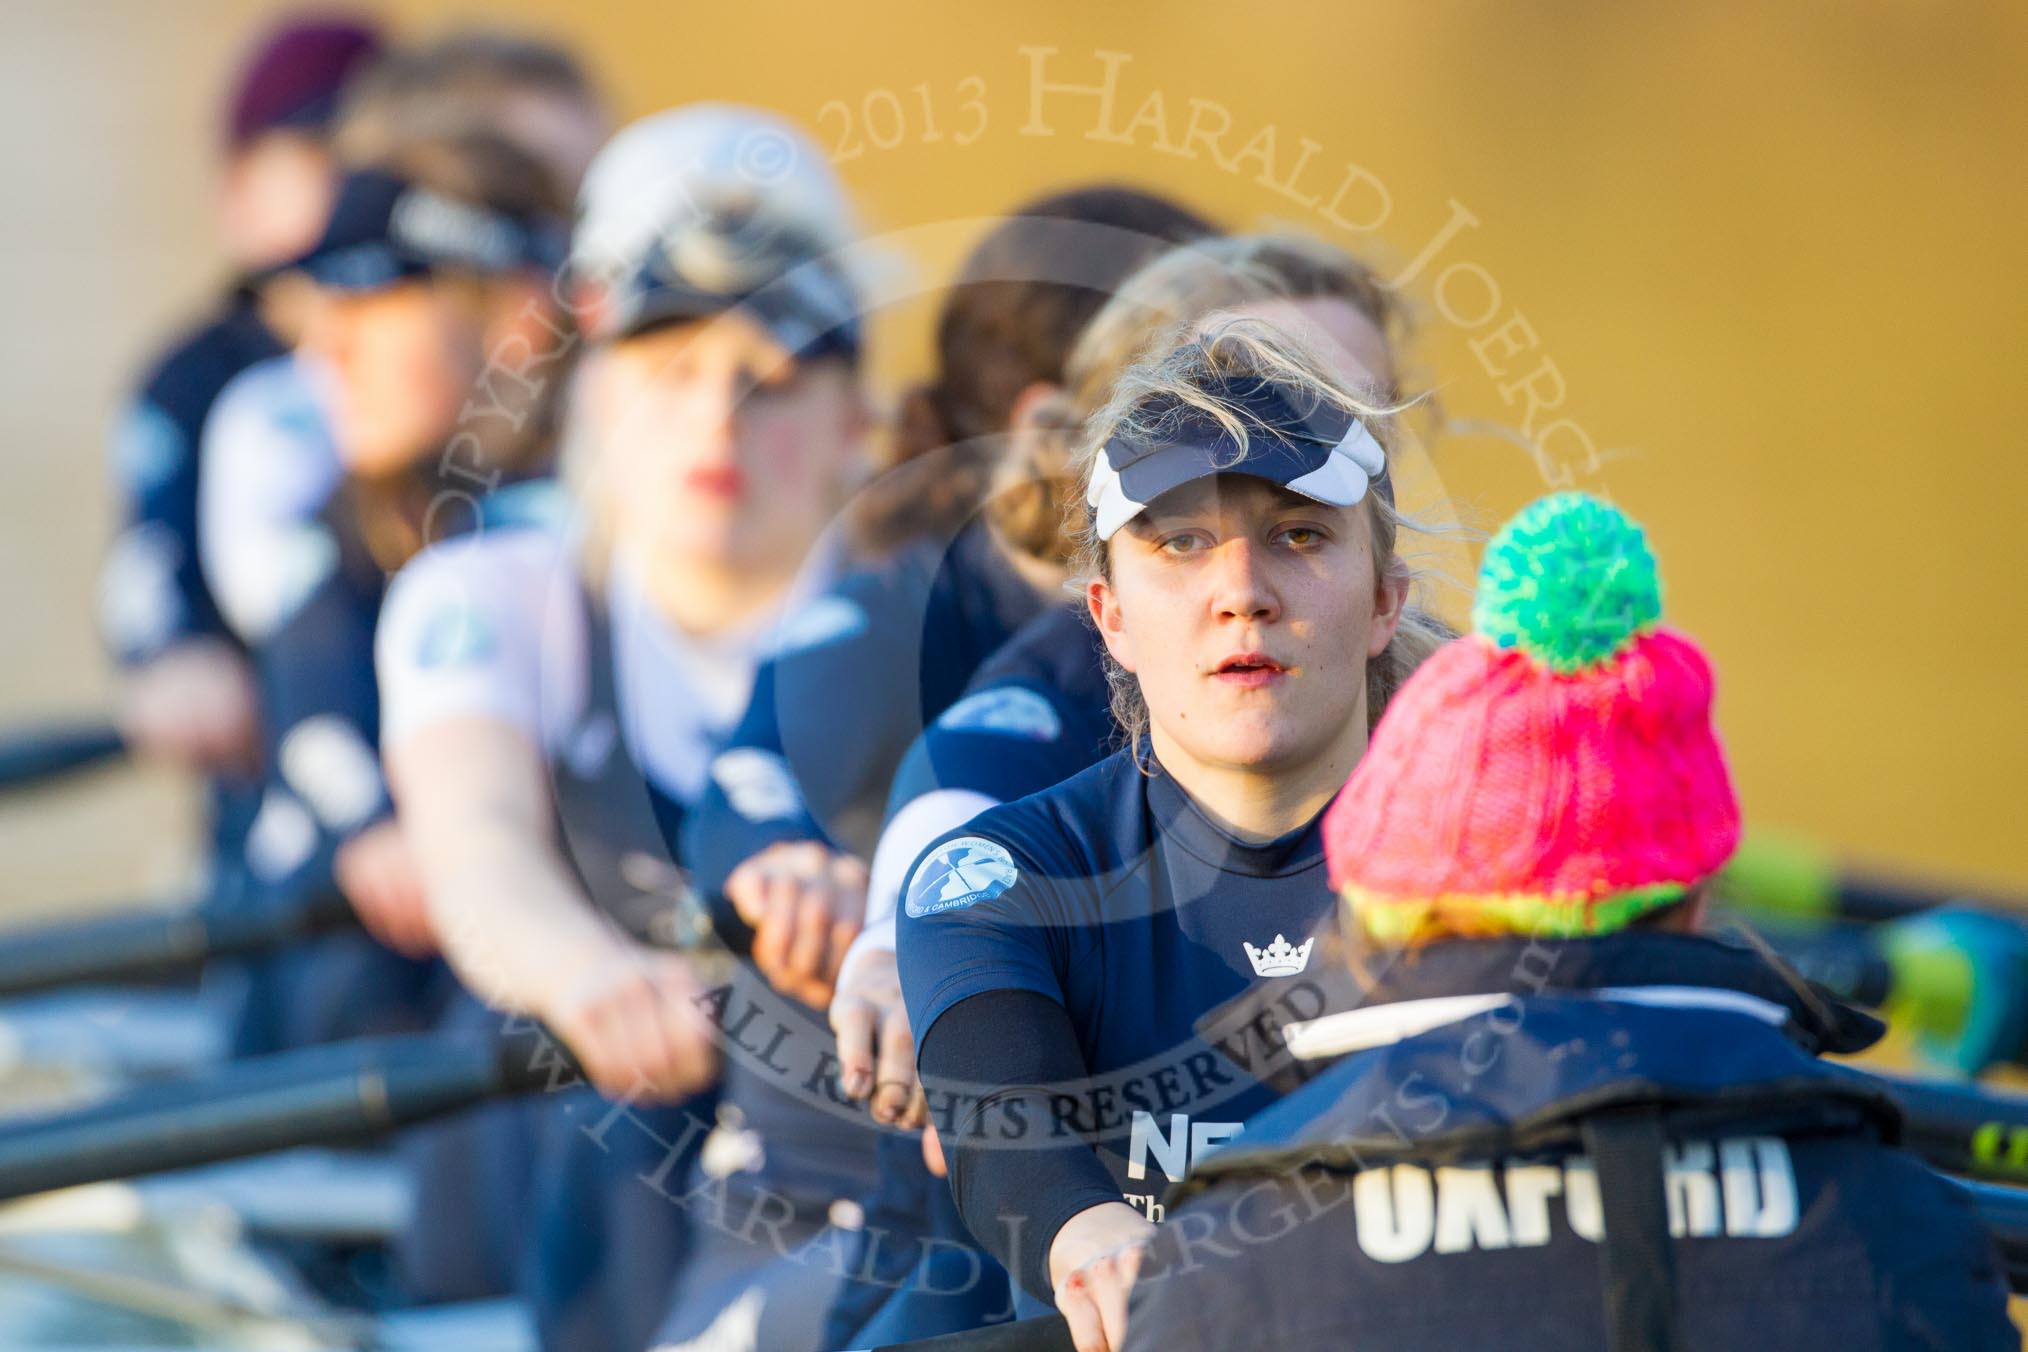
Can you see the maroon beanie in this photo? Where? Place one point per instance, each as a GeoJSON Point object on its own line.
{"type": "Point", "coordinates": [294, 77]}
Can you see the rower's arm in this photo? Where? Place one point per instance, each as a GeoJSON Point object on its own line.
{"type": "Point", "coordinates": [1003, 1059]}
{"type": "Point", "coordinates": [512, 918]}
{"type": "Point", "coordinates": [517, 925]}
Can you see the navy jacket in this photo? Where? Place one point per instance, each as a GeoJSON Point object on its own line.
{"type": "Point", "coordinates": [154, 595]}
{"type": "Point", "coordinates": [1038, 712]}
{"type": "Point", "coordinates": [854, 678]}
{"type": "Point", "coordinates": [322, 785]}
{"type": "Point", "coordinates": [1433, 1189]}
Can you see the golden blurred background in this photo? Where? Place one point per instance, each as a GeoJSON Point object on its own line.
{"type": "Point", "coordinates": [1757, 272]}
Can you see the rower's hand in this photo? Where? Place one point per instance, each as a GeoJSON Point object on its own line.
{"type": "Point", "coordinates": [876, 1049]}
{"type": "Point", "coordinates": [194, 706]}
{"type": "Point", "coordinates": [378, 875]}
{"type": "Point", "coordinates": [635, 1025]}
{"type": "Point", "coordinates": [1092, 1265]}
{"type": "Point", "coordinates": [805, 903]}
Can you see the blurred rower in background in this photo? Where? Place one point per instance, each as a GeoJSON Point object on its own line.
{"type": "Point", "coordinates": [554, 696]}
{"type": "Point", "coordinates": [432, 261]}
{"type": "Point", "coordinates": [271, 468]}
{"type": "Point", "coordinates": [268, 462]}
{"type": "Point", "coordinates": [188, 696]}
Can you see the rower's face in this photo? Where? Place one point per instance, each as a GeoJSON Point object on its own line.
{"type": "Point", "coordinates": [273, 198]}
{"type": "Point", "coordinates": [723, 445]}
{"type": "Point", "coordinates": [402, 361]}
{"type": "Point", "coordinates": [1247, 613]}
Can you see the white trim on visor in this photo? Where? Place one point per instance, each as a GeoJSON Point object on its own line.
{"type": "Point", "coordinates": [1341, 481]}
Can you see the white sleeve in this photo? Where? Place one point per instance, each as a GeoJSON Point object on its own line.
{"type": "Point", "coordinates": [467, 631]}
{"type": "Point", "coordinates": [267, 467]}
{"type": "Point", "coordinates": [907, 834]}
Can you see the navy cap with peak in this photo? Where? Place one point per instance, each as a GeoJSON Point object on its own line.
{"type": "Point", "coordinates": [384, 229]}
{"type": "Point", "coordinates": [1303, 444]}
{"type": "Point", "coordinates": [736, 257]}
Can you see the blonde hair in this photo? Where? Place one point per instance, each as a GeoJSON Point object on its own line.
{"type": "Point", "coordinates": [1029, 506]}
{"type": "Point", "coordinates": [1152, 397]}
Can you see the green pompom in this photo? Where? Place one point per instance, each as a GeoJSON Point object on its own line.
{"type": "Point", "coordinates": [1568, 581]}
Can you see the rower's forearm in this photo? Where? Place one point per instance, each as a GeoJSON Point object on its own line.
{"type": "Point", "coordinates": [515, 923]}
{"type": "Point", "coordinates": [508, 911]}
{"type": "Point", "coordinates": [1010, 1052]}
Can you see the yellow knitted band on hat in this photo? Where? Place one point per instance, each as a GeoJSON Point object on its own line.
{"type": "Point", "coordinates": [1468, 915]}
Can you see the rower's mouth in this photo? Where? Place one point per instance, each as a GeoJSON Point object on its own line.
{"type": "Point", "coordinates": [726, 482]}
{"type": "Point", "coordinates": [1249, 669]}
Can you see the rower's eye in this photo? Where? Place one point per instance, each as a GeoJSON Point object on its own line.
{"type": "Point", "coordinates": [1300, 537]}
{"type": "Point", "coordinates": [1182, 542]}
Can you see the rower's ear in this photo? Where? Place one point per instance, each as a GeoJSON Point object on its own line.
{"type": "Point", "coordinates": [1104, 604]}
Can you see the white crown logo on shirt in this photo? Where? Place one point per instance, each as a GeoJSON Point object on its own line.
{"type": "Point", "coordinates": [1280, 958]}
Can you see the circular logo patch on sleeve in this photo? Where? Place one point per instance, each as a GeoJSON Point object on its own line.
{"type": "Point", "coordinates": [960, 873]}
{"type": "Point", "coordinates": [455, 636]}
{"type": "Point", "coordinates": [330, 766]}
{"type": "Point", "coordinates": [275, 574]}
{"type": "Point", "coordinates": [148, 448]}
{"type": "Point", "coordinates": [758, 784]}
{"type": "Point", "coordinates": [824, 621]}
{"type": "Point", "coordinates": [1011, 711]}
{"type": "Point", "coordinates": [139, 604]}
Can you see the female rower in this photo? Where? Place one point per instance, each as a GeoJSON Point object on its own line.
{"type": "Point", "coordinates": [268, 464]}
{"type": "Point", "coordinates": [187, 692]}
{"type": "Point", "coordinates": [430, 261]}
{"type": "Point", "coordinates": [1056, 953]}
{"type": "Point", "coordinates": [553, 697]}
{"type": "Point", "coordinates": [1038, 712]}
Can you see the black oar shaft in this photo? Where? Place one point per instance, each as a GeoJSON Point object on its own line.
{"type": "Point", "coordinates": [157, 943]}
{"type": "Point", "coordinates": [30, 758]}
{"type": "Point", "coordinates": [1869, 900]}
{"type": "Point", "coordinates": [322, 1096]}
